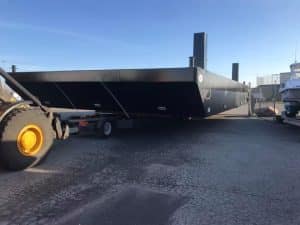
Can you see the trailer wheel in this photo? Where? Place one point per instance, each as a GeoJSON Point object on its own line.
{"type": "Point", "coordinates": [106, 129]}
{"type": "Point", "coordinates": [26, 137]}
{"type": "Point", "coordinates": [290, 114]}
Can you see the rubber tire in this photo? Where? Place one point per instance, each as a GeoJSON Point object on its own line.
{"type": "Point", "coordinates": [10, 157]}
{"type": "Point", "coordinates": [101, 130]}
{"type": "Point", "coordinates": [290, 114]}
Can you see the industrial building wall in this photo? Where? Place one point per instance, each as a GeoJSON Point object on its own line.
{"type": "Point", "coordinates": [266, 92]}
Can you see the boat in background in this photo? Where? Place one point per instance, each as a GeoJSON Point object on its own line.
{"type": "Point", "coordinates": [290, 92]}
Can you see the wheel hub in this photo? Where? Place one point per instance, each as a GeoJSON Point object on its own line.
{"type": "Point", "coordinates": [30, 140]}
{"type": "Point", "coordinates": [107, 128]}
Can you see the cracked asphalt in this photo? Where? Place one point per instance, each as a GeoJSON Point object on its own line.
{"type": "Point", "coordinates": [228, 169]}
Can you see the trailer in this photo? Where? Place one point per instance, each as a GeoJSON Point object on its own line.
{"type": "Point", "coordinates": [102, 124]}
{"type": "Point", "coordinates": [29, 125]}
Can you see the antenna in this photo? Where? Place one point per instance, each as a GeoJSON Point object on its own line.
{"type": "Point", "coordinates": [296, 51]}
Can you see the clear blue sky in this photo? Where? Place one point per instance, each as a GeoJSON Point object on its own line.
{"type": "Point", "coordinates": [87, 34]}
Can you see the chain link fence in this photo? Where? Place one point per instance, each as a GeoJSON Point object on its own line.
{"type": "Point", "coordinates": [266, 100]}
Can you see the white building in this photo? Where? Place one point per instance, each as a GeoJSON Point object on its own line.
{"type": "Point", "coordinates": [284, 77]}
{"type": "Point", "coordinates": [279, 78]}
{"type": "Point", "coordinates": [268, 79]}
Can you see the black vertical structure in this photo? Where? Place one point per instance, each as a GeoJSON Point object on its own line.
{"type": "Point", "coordinates": [13, 68]}
{"type": "Point", "coordinates": [173, 92]}
{"type": "Point", "coordinates": [235, 71]}
{"type": "Point", "coordinates": [200, 50]}
{"type": "Point", "coordinates": [191, 61]}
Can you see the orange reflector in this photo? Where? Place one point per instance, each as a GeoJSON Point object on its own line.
{"type": "Point", "coordinates": [83, 123]}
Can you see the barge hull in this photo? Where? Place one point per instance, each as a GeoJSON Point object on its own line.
{"type": "Point", "coordinates": [172, 92]}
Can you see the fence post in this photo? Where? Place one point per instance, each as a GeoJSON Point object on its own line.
{"type": "Point", "coordinates": [249, 100]}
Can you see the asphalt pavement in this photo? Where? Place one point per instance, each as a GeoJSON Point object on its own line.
{"type": "Point", "coordinates": [228, 169]}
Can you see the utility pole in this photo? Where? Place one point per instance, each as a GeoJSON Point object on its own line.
{"type": "Point", "coordinates": [249, 100]}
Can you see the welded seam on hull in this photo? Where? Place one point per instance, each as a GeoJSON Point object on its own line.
{"type": "Point", "coordinates": [115, 99]}
{"type": "Point", "coordinates": [65, 95]}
